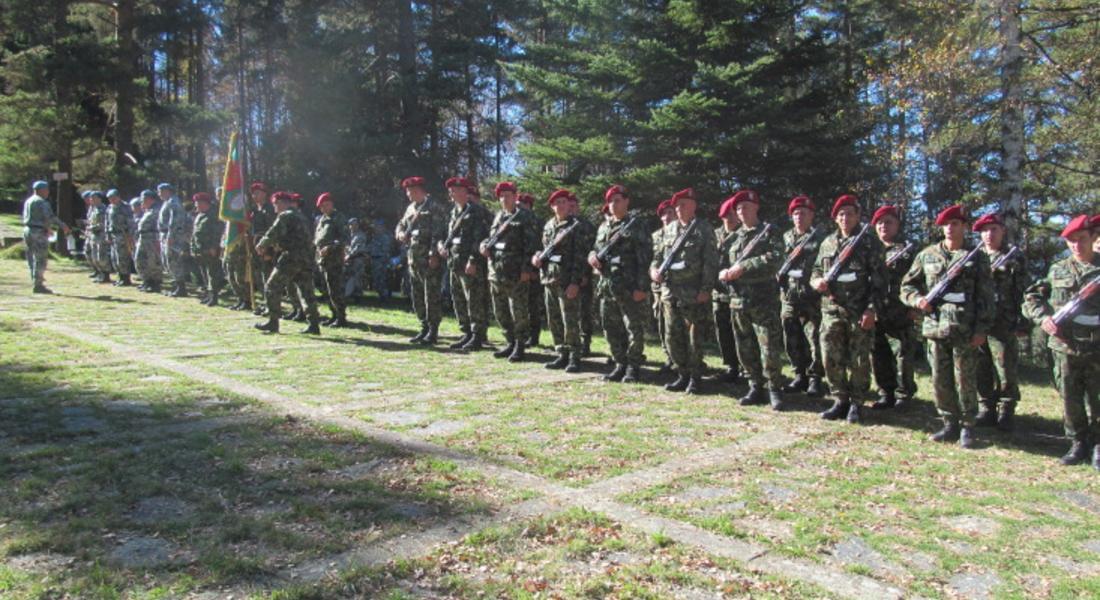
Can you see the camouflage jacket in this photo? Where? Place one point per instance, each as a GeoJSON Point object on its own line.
{"type": "Point", "coordinates": [566, 265]}
{"type": "Point", "coordinates": [97, 222]}
{"type": "Point", "coordinates": [1080, 336]}
{"type": "Point", "coordinates": [172, 218]}
{"type": "Point", "coordinates": [722, 239]}
{"type": "Point", "coordinates": [425, 224]}
{"type": "Point", "coordinates": [357, 246]}
{"type": "Point", "coordinates": [208, 233]}
{"type": "Point", "coordinates": [466, 228]}
{"type": "Point", "coordinates": [587, 236]}
{"type": "Point", "coordinates": [967, 307]}
{"type": "Point", "coordinates": [756, 287]}
{"type": "Point", "coordinates": [626, 267]}
{"type": "Point", "coordinates": [795, 287]}
{"type": "Point", "coordinates": [148, 226]}
{"type": "Point", "coordinates": [37, 214]}
{"type": "Point", "coordinates": [861, 284]}
{"type": "Point", "coordinates": [894, 310]}
{"type": "Point", "coordinates": [511, 255]}
{"type": "Point", "coordinates": [289, 236]}
{"type": "Point", "coordinates": [655, 240]}
{"type": "Point", "coordinates": [261, 217]}
{"type": "Point", "coordinates": [330, 235]}
{"type": "Point", "coordinates": [120, 221]}
{"type": "Point", "coordinates": [1010, 281]}
{"type": "Point", "coordinates": [694, 269]}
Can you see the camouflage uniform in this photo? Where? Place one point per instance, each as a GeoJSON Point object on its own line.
{"type": "Point", "coordinates": [720, 305]}
{"type": "Point", "coordinates": [147, 256]}
{"type": "Point", "coordinates": [565, 267]}
{"type": "Point", "coordinates": [693, 271]}
{"type": "Point", "coordinates": [966, 310]}
{"type": "Point", "coordinates": [425, 224]}
{"type": "Point", "coordinates": [467, 227]}
{"type": "Point", "coordinates": [897, 345]}
{"type": "Point", "coordinates": [293, 265]}
{"type": "Point", "coordinates": [355, 264]}
{"type": "Point", "coordinates": [120, 233]}
{"type": "Point", "coordinates": [801, 306]}
{"type": "Point", "coordinates": [38, 219]}
{"type": "Point", "coordinates": [1077, 351]}
{"type": "Point", "coordinates": [330, 236]}
{"type": "Point", "coordinates": [173, 226]}
{"type": "Point", "coordinates": [754, 307]}
{"type": "Point", "coordinates": [658, 307]}
{"type": "Point", "coordinates": [587, 235]}
{"type": "Point", "coordinates": [508, 259]}
{"type": "Point", "coordinates": [380, 247]}
{"type": "Point", "coordinates": [97, 248]}
{"type": "Point", "coordinates": [623, 272]}
{"type": "Point", "coordinates": [999, 357]}
{"type": "Point", "coordinates": [205, 246]}
{"type": "Point", "coordinates": [860, 286]}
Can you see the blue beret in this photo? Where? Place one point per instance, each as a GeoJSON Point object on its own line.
{"type": "Point", "coordinates": [86, 194]}
{"type": "Point", "coordinates": [149, 193]}
{"type": "Point", "coordinates": [101, 195]}
{"type": "Point", "coordinates": [135, 202]}
{"type": "Point", "coordinates": [112, 192]}
{"type": "Point", "coordinates": [165, 186]}
{"type": "Point", "coordinates": [39, 185]}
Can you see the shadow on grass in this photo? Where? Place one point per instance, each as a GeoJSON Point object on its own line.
{"type": "Point", "coordinates": [100, 298]}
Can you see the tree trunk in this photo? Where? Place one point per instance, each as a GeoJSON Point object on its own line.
{"type": "Point", "coordinates": [1012, 119]}
{"type": "Point", "coordinates": [406, 62]}
{"type": "Point", "coordinates": [124, 93]}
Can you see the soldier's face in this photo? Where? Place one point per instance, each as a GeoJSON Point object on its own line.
{"type": "Point", "coordinates": [416, 194]}
{"type": "Point", "coordinates": [847, 218]}
{"type": "Point", "coordinates": [619, 206]}
{"type": "Point", "coordinates": [954, 230]}
{"type": "Point", "coordinates": [685, 209]}
{"type": "Point", "coordinates": [561, 208]}
{"type": "Point", "coordinates": [802, 218]}
{"type": "Point", "coordinates": [573, 206]}
{"type": "Point", "coordinates": [458, 194]}
{"type": "Point", "coordinates": [731, 221]}
{"type": "Point", "coordinates": [667, 216]}
{"type": "Point", "coordinates": [164, 194]}
{"type": "Point", "coordinates": [258, 196]}
{"type": "Point", "coordinates": [887, 228]}
{"type": "Point", "coordinates": [202, 206]}
{"type": "Point", "coordinates": [326, 207]}
{"type": "Point", "coordinates": [993, 236]}
{"type": "Point", "coordinates": [281, 205]}
{"type": "Point", "coordinates": [507, 200]}
{"type": "Point", "coordinates": [746, 212]}
{"type": "Point", "coordinates": [1080, 245]}
{"type": "Point", "coordinates": [146, 202]}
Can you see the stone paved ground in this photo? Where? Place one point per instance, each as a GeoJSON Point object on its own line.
{"type": "Point", "coordinates": [156, 448]}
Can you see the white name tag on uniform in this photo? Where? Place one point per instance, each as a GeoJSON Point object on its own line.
{"type": "Point", "coordinates": [414, 232]}
{"type": "Point", "coordinates": [499, 245]}
{"type": "Point", "coordinates": [677, 266]}
{"type": "Point", "coordinates": [457, 240]}
{"type": "Point", "coordinates": [955, 297]}
{"type": "Point", "coordinates": [1087, 320]}
{"type": "Point", "coordinates": [846, 277]}
{"type": "Point", "coordinates": [556, 258]}
{"type": "Point", "coordinates": [796, 273]}
{"type": "Point", "coordinates": [616, 260]}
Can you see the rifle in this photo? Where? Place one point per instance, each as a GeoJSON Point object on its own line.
{"type": "Point", "coordinates": [454, 230]}
{"type": "Point", "coordinates": [601, 254]}
{"type": "Point", "coordinates": [936, 293]}
{"type": "Point", "coordinates": [413, 221]}
{"type": "Point", "coordinates": [1003, 260]}
{"type": "Point", "coordinates": [495, 237]}
{"type": "Point", "coordinates": [1070, 308]}
{"type": "Point", "coordinates": [548, 251]}
{"type": "Point", "coordinates": [666, 264]}
{"type": "Point", "coordinates": [793, 255]}
{"type": "Point", "coordinates": [895, 257]}
{"type": "Point", "coordinates": [845, 255]}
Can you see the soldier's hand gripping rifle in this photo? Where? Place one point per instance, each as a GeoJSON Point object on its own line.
{"type": "Point", "coordinates": [495, 237]}
{"type": "Point", "coordinates": [666, 264]}
{"type": "Point", "coordinates": [895, 257]}
{"type": "Point", "coordinates": [1003, 260]}
{"type": "Point", "coordinates": [793, 255]}
{"type": "Point", "coordinates": [442, 245]}
{"type": "Point", "coordinates": [601, 254]}
{"type": "Point", "coordinates": [936, 294]}
{"type": "Point", "coordinates": [1076, 303]}
{"type": "Point", "coordinates": [748, 250]}
{"type": "Point", "coordinates": [544, 256]}
{"type": "Point", "coordinates": [844, 256]}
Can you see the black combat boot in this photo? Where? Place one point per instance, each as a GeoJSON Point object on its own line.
{"type": "Point", "coordinates": [798, 384]}
{"type": "Point", "coordinates": [855, 413]}
{"type": "Point", "coordinates": [666, 369]}
{"type": "Point", "coordinates": [213, 297]}
{"type": "Point", "coordinates": [949, 433]}
{"type": "Point", "coordinates": [301, 316]}
{"type": "Point", "coordinates": [154, 287]}
{"type": "Point", "coordinates": [466, 335]}
{"type": "Point", "coordinates": [477, 341]}
{"type": "Point", "coordinates": [432, 337]}
{"type": "Point", "coordinates": [106, 278]}
{"type": "Point", "coordinates": [533, 338]}
{"type": "Point", "coordinates": [694, 386]}
{"type": "Point", "coordinates": [506, 351]}
{"type": "Point", "coordinates": [124, 281]}
{"type": "Point", "coordinates": [272, 325]}
{"type": "Point", "coordinates": [966, 437]}
{"type": "Point", "coordinates": [1078, 453]}
{"type": "Point", "coordinates": [586, 341]}
{"type": "Point", "coordinates": [41, 289]}
{"type": "Point", "coordinates": [1006, 418]}
{"type": "Point", "coordinates": [755, 395]}
{"type": "Point", "coordinates": [633, 374]}
{"type": "Point", "coordinates": [314, 327]}
{"type": "Point", "coordinates": [680, 384]}
{"type": "Point", "coordinates": [518, 353]}
{"type": "Point", "coordinates": [180, 291]}
{"type": "Point", "coordinates": [616, 374]}
{"type": "Point", "coordinates": [732, 374]}
{"type": "Point", "coordinates": [839, 409]}
{"type": "Point", "coordinates": [886, 399]}
{"type": "Point", "coordinates": [987, 414]}
{"type": "Point", "coordinates": [816, 388]}
{"type": "Point", "coordinates": [559, 362]}
{"type": "Point", "coordinates": [775, 398]}
{"type": "Point", "coordinates": [341, 320]}
{"type": "Point", "coordinates": [574, 365]}
{"type": "Point", "coordinates": [329, 321]}
{"type": "Point", "coordinates": [416, 339]}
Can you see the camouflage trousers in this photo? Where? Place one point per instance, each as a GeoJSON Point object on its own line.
{"type": "Point", "coordinates": [659, 321]}
{"type": "Point", "coordinates": [847, 354]}
{"type": "Point", "coordinates": [953, 365]}
{"type": "Point", "coordinates": [894, 357]}
{"type": "Point", "coordinates": [295, 276]}
{"type": "Point", "coordinates": [1078, 381]}
{"type": "Point", "coordinates": [589, 306]}
{"type": "Point", "coordinates": [684, 323]}
{"type": "Point", "coordinates": [998, 363]}
{"type": "Point", "coordinates": [38, 253]}
{"type": "Point", "coordinates": [210, 268]}
{"type": "Point", "coordinates": [727, 341]}
{"type": "Point", "coordinates": [563, 318]}
{"type": "Point", "coordinates": [99, 254]}
{"type": "Point", "coordinates": [535, 308]}
{"type": "Point", "coordinates": [174, 254]}
{"type": "Point", "coordinates": [510, 306]}
{"type": "Point", "coordinates": [120, 256]}
{"type": "Point", "coordinates": [471, 304]}
{"type": "Point", "coordinates": [332, 273]}
{"type": "Point", "coordinates": [235, 263]}
{"type": "Point", "coordinates": [426, 284]}
{"type": "Point", "coordinates": [147, 261]}
{"type": "Point", "coordinates": [380, 276]}
{"type": "Point", "coordinates": [802, 337]}
{"type": "Point", "coordinates": [759, 338]}
{"type": "Point", "coordinates": [624, 323]}
{"type": "Point", "coordinates": [354, 270]}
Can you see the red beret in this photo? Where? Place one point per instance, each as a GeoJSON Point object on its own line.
{"type": "Point", "coordinates": [743, 196]}
{"type": "Point", "coordinates": [257, 185]}
{"type": "Point", "coordinates": [885, 211]}
{"type": "Point", "coordinates": [200, 197]}
{"type": "Point", "coordinates": [605, 209]}
{"type": "Point", "coordinates": [409, 182]}
{"type": "Point", "coordinates": [572, 197]}
{"type": "Point", "coordinates": [476, 193]}
{"type": "Point", "coordinates": [1094, 222]}
{"type": "Point", "coordinates": [504, 186]}
{"type": "Point", "coordinates": [1079, 223]}
{"type": "Point", "coordinates": [726, 207]}
{"type": "Point", "coordinates": [558, 194]}
{"type": "Point", "coordinates": [951, 213]}
{"type": "Point", "coordinates": [295, 196]}
{"type": "Point", "coordinates": [663, 206]}
{"type": "Point", "coordinates": [682, 194]}
{"type": "Point", "coordinates": [990, 219]}
{"type": "Point", "coordinates": [844, 200]}
{"type": "Point", "coordinates": [281, 196]}
{"type": "Point", "coordinates": [611, 191]}
{"type": "Point", "coordinates": [457, 182]}
{"type": "Point", "coordinates": [323, 197]}
{"type": "Point", "coordinates": [800, 202]}
{"type": "Point", "coordinates": [527, 199]}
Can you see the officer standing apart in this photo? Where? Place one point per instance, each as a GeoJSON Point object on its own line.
{"type": "Point", "coordinates": [1075, 340]}
{"type": "Point", "coordinates": [289, 238]}
{"type": "Point", "coordinates": [513, 238]}
{"type": "Point", "coordinates": [562, 273]}
{"type": "Point", "coordinates": [690, 261]}
{"type": "Point", "coordinates": [330, 236]}
{"type": "Point", "coordinates": [38, 220]}
{"type": "Point", "coordinates": [468, 225]}
{"type": "Point", "coordinates": [801, 305]}
{"type": "Point", "coordinates": [897, 343]}
{"type": "Point", "coordinates": [955, 323]}
{"type": "Point", "coordinates": [422, 227]}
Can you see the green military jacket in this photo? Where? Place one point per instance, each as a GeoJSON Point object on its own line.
{"type": "Point", "coordinates": [694, 269]}
{"type": "Point", "coordinates": [722, 239]}
{"type": "Point", "coordinates": [795, 287]}
{"type": "Point", "coordinates": [120, 222]}
{"type": "Point", "coordinates": [1080, 336]}
{"type": "Point", "coordinates": [208, 233]}
{"type": "Point", "coordinates": [1010, 281]}
{"type": "Point", "coordinates": [625, 269]}
{"type": "Point", "coordinates": [895, 311]}
{"type": "Point", "coordinates": [566, 264]}
{"type": "Point", "coordinates": [289, 235]}
{"type": "Point", "coordinates": [756, 287]}
{"type": "Point", "coordinates": [97, 222]}
{"type": "Point", "coordinates": [37, 214]}
{"type": "Point", "coordinates": [967, 307]}
{"type": "Point", "coordinates": [330, 235]}
{"type": "Point", "coordinates": [426, 225]}
{"type": "Point", "coordinates": [655, 240]}
{"type": "Point", "coordinates": [510, 255]}
{"type": "Point", "coordinates": [861, 284]}
{"type": "Point", "coordinates": [261, 217]}
{"type": "Point", "coordinates": [466, 228]}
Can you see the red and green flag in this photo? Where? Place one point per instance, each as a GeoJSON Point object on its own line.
{"type": "Point", "coordinates": [232, 204]}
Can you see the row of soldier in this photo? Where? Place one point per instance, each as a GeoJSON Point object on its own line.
{"type": "Point", "coordinates": [847, 305]}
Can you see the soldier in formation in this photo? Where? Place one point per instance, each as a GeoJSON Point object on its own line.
{"type": "Point", "coordinates": [330, 238]}
{"type": "Point", "coordinates": [897, 346]}
{"type": "Point", "coordinates": [800, 313]}
{"type": "Point", "coordinates": [420, 229]}
{"type": "Point", "coordinates": [120, 236]}
{"type": "Point", "coordinates": [561, 267]}
{"type": "Point", "coordinates": [513, 238]}
{"type": "Point", "coordinates": [206, 247]}
{"type": "Point", "coordinates": [467, 226]}
{"type": "Point", "coordinates": [723, 317]}
{"type": "Point", "coordinates": [289, 240]}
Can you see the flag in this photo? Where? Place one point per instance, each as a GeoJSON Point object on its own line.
{"type": "Point", "coordinates": [231, 206]}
